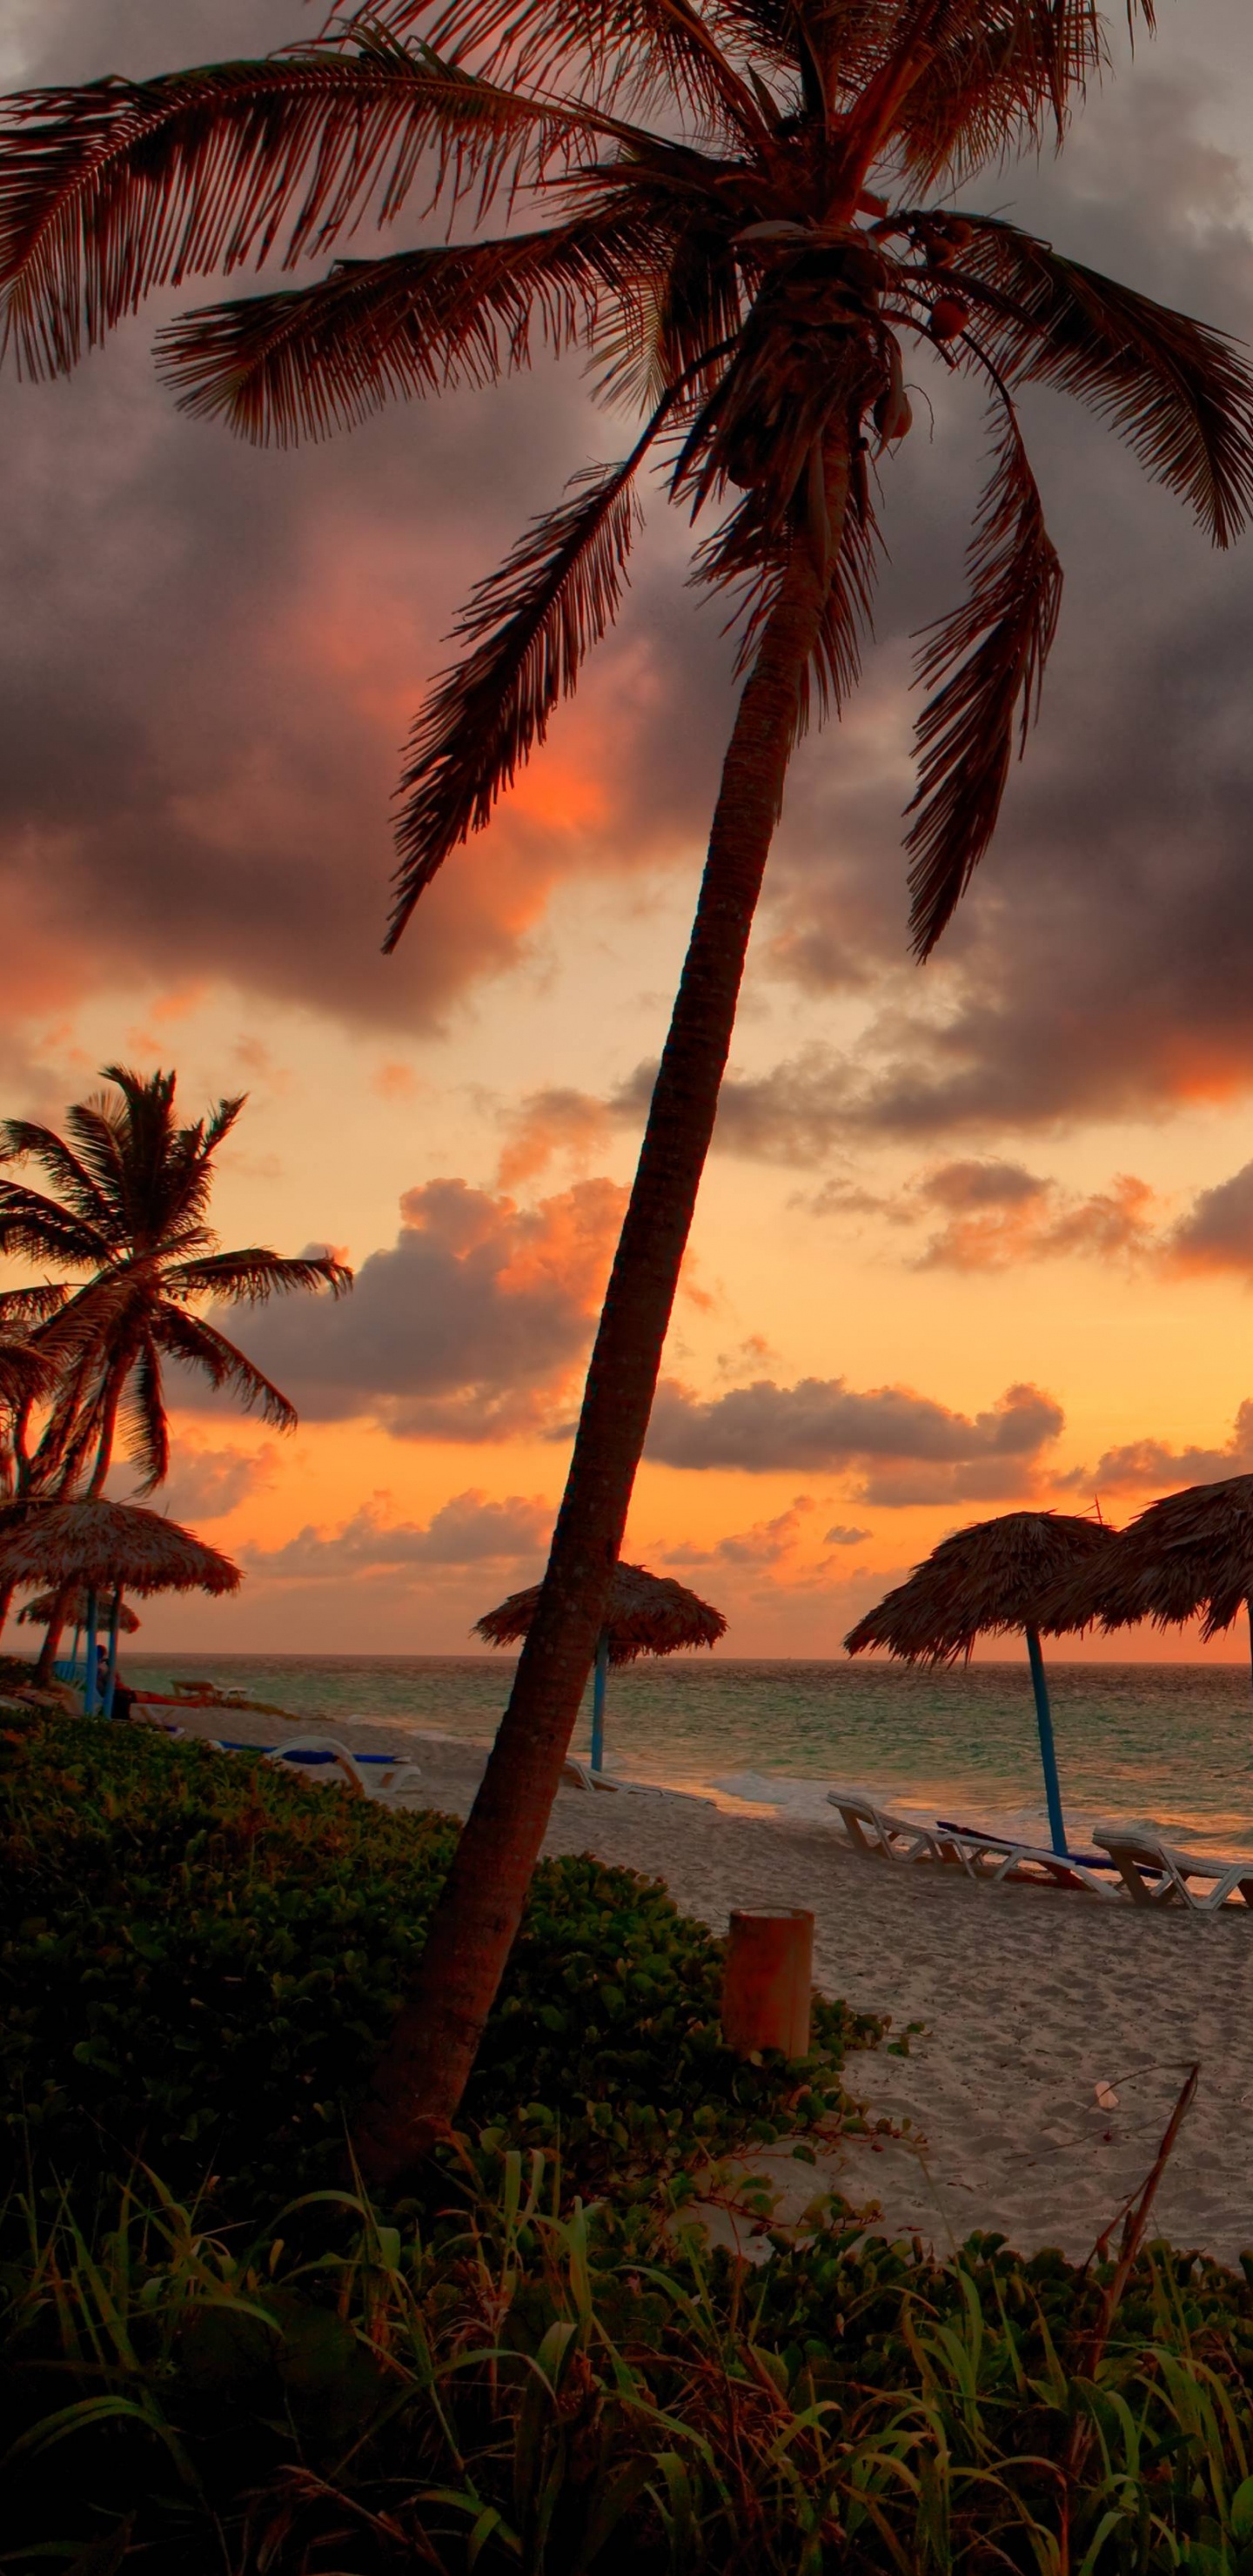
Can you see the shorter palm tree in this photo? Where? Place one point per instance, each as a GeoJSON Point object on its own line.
{"type": "Point", "coordinates": [130, 1216]}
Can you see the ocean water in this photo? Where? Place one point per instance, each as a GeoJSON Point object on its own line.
{"type": "Point", "coordinates": [1171, 1742]}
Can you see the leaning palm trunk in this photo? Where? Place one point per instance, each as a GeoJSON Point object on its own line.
{"type": "Point", "coordinates": [422, 2074]}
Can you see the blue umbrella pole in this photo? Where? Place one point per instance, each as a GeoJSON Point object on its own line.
{"type": "Point", "coordinates": [1048, 1750]}
{"type": "Point", "coordinates": [599, 1679]}
{"type": "Point", "coordinates": [111, 1676]}
{"type": "Point", "coordinates": [89, 1685]}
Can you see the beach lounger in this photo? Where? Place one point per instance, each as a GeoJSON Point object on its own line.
{"type": "Point", "coordinates": [1155, 1872]}
{"type": "Point", "coordinates": [995, 1856]}
{"type": "Point", "coordinates": [871, 1828]}
{"type": "Point", "coordinates": [580, 1775]}
{"type": "Point", "coordinates": [874, 1829]}
{"type": "Point", "coordinates": [372, 1775]}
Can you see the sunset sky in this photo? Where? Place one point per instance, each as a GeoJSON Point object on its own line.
{"type": "Point", "coordinates": [973, 1235]}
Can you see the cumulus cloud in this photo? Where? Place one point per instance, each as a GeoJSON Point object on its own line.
{"type": "Point", "coordinates": [766, 1543]}
{"type": "Point", "coordinates": [1141, 1466]}
{"type": "Point", "coordinates": [995, 1214]}
{"type": "Point", "coordinates": [1217, 1232]}
{"type": "Point", "coordinates": [205, 1483]}
{"type": "Point", "coordinates": [467, 1530]}
{"type": "Point", "coordinates": [469, 1327]}
{"type": "Point", "coordinates": [906, 1447]}
{"type": "Point", "coordinates": [839, 1536]}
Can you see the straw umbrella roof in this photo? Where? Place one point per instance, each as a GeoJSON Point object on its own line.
{"type": "Point", "coordinates": [39, 1611]}
{"type": "Point", "coordinates": [994, 1576]}
{"type": "Point", "coordinates": [101, 1545]}
{"type": "Point", "coordinates": [649, 1614]}
{"type": "Point", "coordinates": [1191, 1551]}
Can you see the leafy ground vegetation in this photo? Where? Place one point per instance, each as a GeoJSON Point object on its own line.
{"type": "Point", "coordinates": [218, 2359]}
{"type": "Point", "coordinates": [200, 1956]}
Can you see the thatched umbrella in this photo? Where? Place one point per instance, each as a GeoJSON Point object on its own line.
{"type": "Point", "coordinates": [38, 1612]}
{"type": "Point", "coordinates": [1190, 1552]}
{"type": "Point", "coordinates": [105, 1548]}
{"type": "Point", "coordinates": [649, 1614]}
{"type": "Point", "coordinates": [982, 1582]}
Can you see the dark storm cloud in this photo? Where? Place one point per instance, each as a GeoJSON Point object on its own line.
{"type": "Point", "coordinates": [907, 1447]}
{"type": "Point", "coordinates": [467, 1328]}
{"type": "Point", "coordinates": [1101, 963]}
{"type": "Point", "coordinates": [209, 657]}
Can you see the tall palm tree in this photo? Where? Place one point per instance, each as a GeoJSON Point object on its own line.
{"type": "Point", "coordinates": [746, 217]}
{"type": "Point", "coordinates": [131, 1213]}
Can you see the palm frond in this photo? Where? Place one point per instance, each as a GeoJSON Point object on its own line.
{"type": "Point", "coordinates": [200, 1347]}
{"type": "Point", "coordinates": [1179, 393]}
{"type": "Point", "coordinates": [1000, 78]}
{"type": "Point", "coordinates": [99, 1128]}
{"type": "Point", "coordinates": [252, 1276]}
{"type": "Point", "coordinates": [119, 186]}
{"type": "Point", "coordinates": [302, 364]}
{"type": "Point", "coordinates": [40, 1229]}
{"type": "Point", "coordinates": [22, 1309]}
{"type": "Point", "coordinates": [24, 1140]}
{"type": "Point", "coordinates": [622, 54]}
{"type": "Point", "coordinates": [221, 1120]}
{"type": "Point", "coordinates": [689, 303]}
{"type": "Point", "coordinates": [143, 1420]}
{"type": "Point", "coordinates": [993, 649]}
{"type": "Point", "coordinates": [26, 1376]}
{"type": "Point", "coordinates": [970, 80]}
{"type": "Point", "coordinates": [749, 555]}
{"type": "Point", "coordinates": [531, 624]}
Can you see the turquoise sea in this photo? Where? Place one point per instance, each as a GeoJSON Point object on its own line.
{"type": "Point", "coordinates": [1169, 1741]}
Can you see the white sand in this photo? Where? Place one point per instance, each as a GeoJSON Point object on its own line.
{"type": "Point", "coordinates": [1030, 1998]}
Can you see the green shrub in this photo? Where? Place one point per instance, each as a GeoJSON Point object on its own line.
{"type": "Point", "coordinates": [200, 1955]}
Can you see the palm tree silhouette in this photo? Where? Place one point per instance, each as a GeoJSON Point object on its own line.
{"type": "Point", "coordinates": [746, 218]}
{"type": "Point", "coordinates": [131, 1211]}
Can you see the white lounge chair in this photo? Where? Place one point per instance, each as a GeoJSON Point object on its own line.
{"type": "Point", "coordinates": [368, 1774]}
{"type": "Point", "coordinates": [576, 1774]}
{"type": "Point", "coordinates": [874, 1829]}
{"type": "Point", "coordinates": [994, 1856]}
{"type": "Point", "coordinates": [1155, 1872]}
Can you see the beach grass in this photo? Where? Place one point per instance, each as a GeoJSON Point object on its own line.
{"type": "Point", "coordinates": [512, 2387]}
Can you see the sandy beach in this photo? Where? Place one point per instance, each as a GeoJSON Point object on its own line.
{"type": "Point", "coordinates": [1030, 1998]}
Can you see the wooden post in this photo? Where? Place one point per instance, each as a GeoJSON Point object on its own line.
{"type": "Point", "coordinates": [768, 1982]}
{"type": "Point", "coordinates": [599, 1678]}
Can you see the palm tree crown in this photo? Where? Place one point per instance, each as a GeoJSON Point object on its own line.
{"type": "Point", "coordinates": [131, 1211]}
{"type": "Point", "coordinates": [750, 267]}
